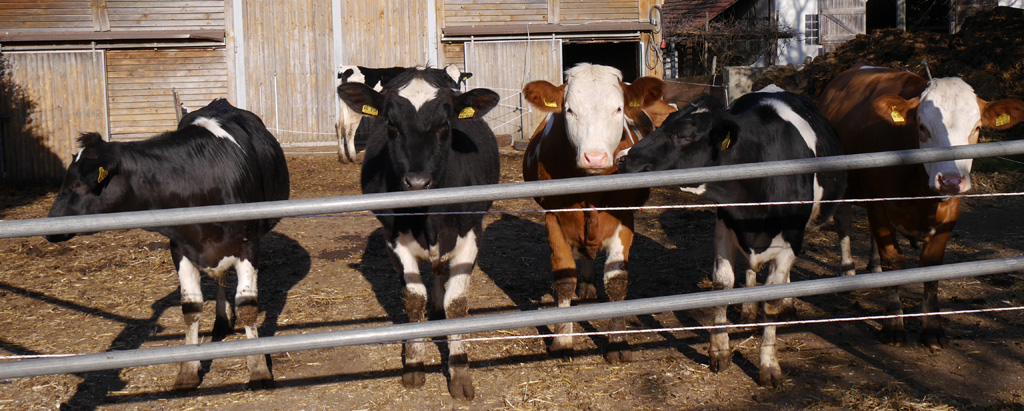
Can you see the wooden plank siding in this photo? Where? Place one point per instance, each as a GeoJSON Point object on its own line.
{"type": "Point", "coordinates": [140, 84]}
{"type": "Point", "coordinates": [47, 99]}
{"type": "Point", "coordinates": [384, 33]}
{"type": "Point", "coordinates": [505, 67]}
{"type": "Point", "coordinates": [165, 15]}
{"type": "Point", "coordinates": [46, 15]}
{"type": "Point", "coordinates": [841, 21]}
{"type": "Point", "coordinates": [290, 78]}
{"type": "Point", "coordinates": [495, 11]}
{"type": "Point", "coordinates": [589, 11]}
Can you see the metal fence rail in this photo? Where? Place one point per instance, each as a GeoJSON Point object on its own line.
{"type": "Point", "coordinates": [428, 329]}
{"type": "Point", "coordinates": [294, 208]}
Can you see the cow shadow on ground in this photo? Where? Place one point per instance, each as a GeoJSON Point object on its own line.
{"type": "Point", "coordinates": [518, 260]}
{"type": "Point", "coordinates": [283, 264]}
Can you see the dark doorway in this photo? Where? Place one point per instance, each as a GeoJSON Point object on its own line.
{"type": "Point", "coordinates": [624, 56]}
{"type": "Point", "coordinates": [880, 14]}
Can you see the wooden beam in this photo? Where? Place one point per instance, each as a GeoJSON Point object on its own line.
{"type": "Point", "coordinates": [73, 36]}
{"type": "Point", "coordinates": [100, 17]}
{"type": "Point", "coordinates": [513, 29]}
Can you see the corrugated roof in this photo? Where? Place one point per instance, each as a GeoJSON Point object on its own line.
{"type": "Point", "coordinates": [683, 15]}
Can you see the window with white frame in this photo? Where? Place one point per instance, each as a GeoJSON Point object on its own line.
{"type": "Point", "coordinates": [812, 36]}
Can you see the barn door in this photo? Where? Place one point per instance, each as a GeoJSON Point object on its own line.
{"type": "Point", "coordinates": [505, 67]}
{"type": "Point", "coordinates": [841, 20]}
{"type": "Point", "coordinates": [46, 100]}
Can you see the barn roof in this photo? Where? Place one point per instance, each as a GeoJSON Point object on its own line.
{"type": "Point", "coordinates": [685, 15]}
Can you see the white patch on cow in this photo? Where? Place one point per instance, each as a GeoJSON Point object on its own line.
{"type": "Point", "coordinates": [594, 126]}
{"type": "Point", "coordinates": [188, 277]}
{"type": "Point", "coordinates": [461, 261]}
{"type": "Point", "coordinates": [786, 113]}
{"type": "Point", "coordinates": [779, 249]}
{"type": "Point", "coordinates": [819, 192]}
{"type": "Point", "coordinates": [949, 110]}
{"type": "Point", "coordinates": [615, 263]}
{"type": "Point", "coordinates": [771, 88]}
{"type": "Point", "coordinates": [453, 72]}
{"type": "Point", "coordinates": [418, 92]}
{"type": "Point", "coordinates": [409, 254]}
{"type": "Point", "coordinates": [78, 156]}
{"type": "Point", "coordinates": [246, 273]}
{"type": "Point", "coordinates": [214, 127]}
{"type": "Point", "coordinates": [698, 190]}
{"type": "Point", "coordinates": [357, 75]}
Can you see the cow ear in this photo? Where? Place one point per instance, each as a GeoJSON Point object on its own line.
{"type": "Point", "coordinates": [475, 103]}
{"type": "Point", "coordinates": [644, 92]}
{"type": "Point", "coordinates": [1001, 114]}
{"type": "Point", "coordinates": [723, 135]}
{"type": "Point", "coordinates": [895, 109]}
{"type": "Point", "coordinates": [361, 98]}
{"type": "Point", "coordinates": [545, 96]}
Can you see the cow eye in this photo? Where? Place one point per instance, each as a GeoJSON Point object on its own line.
{"type": "Point", "coordinates": [569, 111]}
{"type": "Point", "coordinates": [619, 110]}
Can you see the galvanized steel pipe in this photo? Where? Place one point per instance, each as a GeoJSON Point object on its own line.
{"type": "Point", "coordinates": [294, 208]}
{"type": "Point", "coordinates": [429, 329]}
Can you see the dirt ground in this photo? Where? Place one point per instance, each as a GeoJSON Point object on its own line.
{"type": "Point", "coordinates": [117, 290]}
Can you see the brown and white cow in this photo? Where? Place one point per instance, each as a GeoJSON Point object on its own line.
{"type": "Point", "coordinates": [877, 109]}
{"type": "Point", "coordinates": [593, 116]}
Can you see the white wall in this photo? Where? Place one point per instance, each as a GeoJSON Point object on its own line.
{"type": "Point", "coordinates": [791, 14]}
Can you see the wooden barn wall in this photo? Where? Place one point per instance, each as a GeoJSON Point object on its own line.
{"type": "Point", "coordinates": [41, 15]}
{"type": "Point", "coordinates": [385, 33]}
{"type": "Point", "coordinates": [520, 62]}
{"type": "Point", "coordinates": [140, 85]}
{"type": "Point", "coordinates": [840, 21]}
{"type": "Point", "coordinates": [165, 14]}
{"type": "Point", "coordinates": [289, 69]}
{"type": "Point", "coordinates": [465, 12]}
{"type": "Point", "coordinates": [46, 100]}
{"type": "Point", "coordinates": [585, 11]}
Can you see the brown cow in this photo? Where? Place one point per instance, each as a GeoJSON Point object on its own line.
{"type": "Point", "coordinates": [594, 115]}
{"type": "Point", "coordinates": [876, 109]}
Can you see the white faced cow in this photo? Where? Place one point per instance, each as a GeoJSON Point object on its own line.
{"type": "Point", "coordinates": [218, 155]}
{"type": "Point", "coordinates": [375, 78]}
{"type": "Point", "coordinates": [876, 109]}
{"type": "Point", "coordinates": [770, 125]}
{"type": "Point", "coordinates": [593, 116]}
{"type": "Point", "coordinates": [426, 135]}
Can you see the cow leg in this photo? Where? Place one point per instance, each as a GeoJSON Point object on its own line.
{"type": "Point", "coordinates": [563, 268]}
{"type": "Point", "coordinates": [460, 386]}
{"type": "Point", "coordinates": [748, 311]}
{"type": "Point", "coordinates": [350, 139]}
{"type": "Point", "coordinates": [339, 130]}
{"type": "Point", "coordinates": [932, 333]}
{"type": "Point", "coordinates": [725, 254]}
{"type": "Point", "coordinates": [247, 308]}
{"type": "Point", "coordinates": [414, 297]}
{"type": "Point", "coordinates": [191, 308]}
{"type": "Point", "coordinates": [844, 226]}
{"type": "Point", "coordinates": [616, 282]}
{"type": "Point", "coordinates": [770, 372]}
{"type": "Point", "coordinates": [891, 258]}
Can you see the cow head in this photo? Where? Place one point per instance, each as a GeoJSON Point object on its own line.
{"type": "Point", "coordinates": [91, 185]}
{"type": "Point", "coordinates": [948, 113]}
{"type": "Point", "coordinates": [694, 136]}
{"type": "Point", "coordinates": [418, 109]}
{"type": "Point", "coordinates": [596, 105]}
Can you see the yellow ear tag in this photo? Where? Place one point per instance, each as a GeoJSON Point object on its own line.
{"type": "Point", "coordinates": [550, 104]}
{"type": "Point", "coordinates": [467, 112]}
{"type": "Point", "coordinates": [103, 175]}
{"type": "Point", "coordinates": [368, 109]}
{"type": "Point", "coordinates": [1002, 120]}
{"type": "Point", "coordinates": [634, 103]}
{"type": "Point", "coordinates": [727, 141]}
{"type": "Point", "coordinates": [896, 116]}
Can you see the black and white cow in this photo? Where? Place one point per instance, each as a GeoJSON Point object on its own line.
{"type": "Point", "coordinates": [375, 78]}
{"type": "Point", "coordinates": [425, 135]}
{"type": "Point", "coordinates": [218, 155]}
{"type": "Point", "coordinates": [769, 125]}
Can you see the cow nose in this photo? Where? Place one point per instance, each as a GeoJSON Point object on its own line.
{"type": "Point", "coordinates": [595, 160]}
{"type": "Point", "coordinates": [418, 181]}
{"type": "Point", "coordinates": [950, 184]}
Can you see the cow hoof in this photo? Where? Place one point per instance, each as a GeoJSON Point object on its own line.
{"type": "Point", "coordinates": [186, 381]}
{"type": "Point", "coordinates": [771, 377]}
{"type": "Point", "coordinates": [896, 338]}
{"type": "Point", "coordinates": [413, 376]}
{"type": "Point", "coordinates": [586, 291]}
{"type": "Point", "coordinates": [261, 383]}
{"type": "Point", "coordinates": [720, 361]}
{"type": "Point", "coordinates": [461, 386]}
{"type": "Point", "coordinates": [618, 353]}
{"type": "Point", "coordinates": [934, 338]}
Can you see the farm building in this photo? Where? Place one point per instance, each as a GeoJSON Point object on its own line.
{"type": "Point", "coordinates": [125, 68]}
